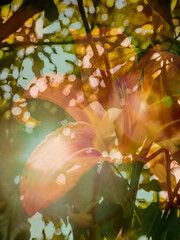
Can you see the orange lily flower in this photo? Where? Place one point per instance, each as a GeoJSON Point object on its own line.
{"type": "Point", "coordinates": [104, 105]}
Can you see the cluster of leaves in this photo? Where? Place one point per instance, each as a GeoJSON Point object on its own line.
{"type": "Point", "coordinates": [107, 201]}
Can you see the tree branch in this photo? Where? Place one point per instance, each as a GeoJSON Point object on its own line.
{"type": "Point", "coordinates": [148, 159]}
{"type": "Point", "coordinates": [28, 43]}
{"type": "Point", "coordinates": [26, 11]}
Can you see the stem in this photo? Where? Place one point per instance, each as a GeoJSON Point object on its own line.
{"type": "Point", "coordinates": [86, 25]}
{"type": "Point", "coordinates": [136, 172]}
{"type": "Point", "coordinates": [83, 15]}
{"type": "Point", "coordinates": [176, 190]}
{"type": "Point", "coordinates": [117, 170]}
{"type": "Point", "coordinates": [168, 176]}
{"type": "Point", "coordinates": [88, 32]}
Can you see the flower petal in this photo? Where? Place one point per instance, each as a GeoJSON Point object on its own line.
{"type": "Point", "coordinates": [61, 89]}
{"type": "Point", "coordinates": [57, 164]}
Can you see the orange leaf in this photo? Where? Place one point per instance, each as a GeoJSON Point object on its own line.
{"type": "Point", "coordinates": [105, 56]}
{"type": "Point", "coordinates": [160, 92]}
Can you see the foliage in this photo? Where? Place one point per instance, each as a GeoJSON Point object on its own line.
{"type": "Point", "coordinates": [90, 106]}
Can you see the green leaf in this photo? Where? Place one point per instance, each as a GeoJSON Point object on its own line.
{"type": "Point", "coordinates": [92, 186]}
{"type": "Point", "coordinates": [151, 186]}
{"type": "Point", "coordinates": [113, 187]}
{"type": "Point", "coordinates": [38, 65]}
{"type": "Point", "coordinates": [150, 218]}
{"type": "Point", "coordinates": [172, 225]}
{"type": "Point", "coordinates": [84, 195]}
{"type": "Point", "coordinates": [175, 47]}
{"type": "Point", "coordinates": [13, 220]}
{"type": "Point", "coordinates": [51, 12]}
{"type": "Point", "coordinates": [176, 13]}
{"type": "Point", "coordinates": [163, 8]}
{"type": "Point", "coordinates": [109, 218]}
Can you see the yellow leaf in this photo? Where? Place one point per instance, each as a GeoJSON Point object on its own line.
{"type": "Point", "coordinates": [5, 11]}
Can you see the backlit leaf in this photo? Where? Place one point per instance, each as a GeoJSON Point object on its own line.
{"type": "Point", "coordinates": [151, 186]}
{"type": "Point", "coordinates": [163, 8]}
{"type": "Point", "coordinates": [104, 56]}
{"type": "Point", "coordinates": [160, 91]}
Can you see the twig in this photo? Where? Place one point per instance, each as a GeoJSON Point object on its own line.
{"type": "Point", "coordinates": [148, 159]}
{"type": "Point", "coordinates": [83, 15]}
{"type": "Point", "coordinates": [28, 43]}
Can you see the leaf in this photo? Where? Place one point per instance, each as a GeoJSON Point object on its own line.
{"type": "Point", "coordinates": [85, 194]}
{"type": "Point", "coordinates": [160, 93]}
{"type": "Point", "coordinates": [51, 13]}
{"type": "Point", "coordinates": [162, 30]}
{"type": "Point", "coordinates": [104, 56]}
{"type": "Point", "coordinates": [13, 219]}
{"type": "Point", "coordinates": [156, 223]}
{"type": "Point", "coordinates": [109, 218]}
{"type": "Point", "coordinates": [151, 186]}
{"type": "Point", "coordinates": [55, 211]}
{"type": "Point", "coordinates": [173, 4]}
{"type": "Point", "coordinates": [176, 12]}
{"type": "Point", "coordinates": [163, 8]}
{"type": "Point", "coordinates": [57, 164]}
{"type": "Point", "coordinates": [38, 65]}
{"type": "Point", "coordinates": [5, 10]}
{"type": "Point", "coordinates": [150, 218]}
{"type": "Point", "coordinates": [171, 227]}
{"type": "Point", "coordinates": [113, 188]}
{"type": "Point", "coordinates": [175, 47]}
{"type": "Point", "coordinates": [82, 219]}
{"type": "Point", "coordinates": [167, 63]}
